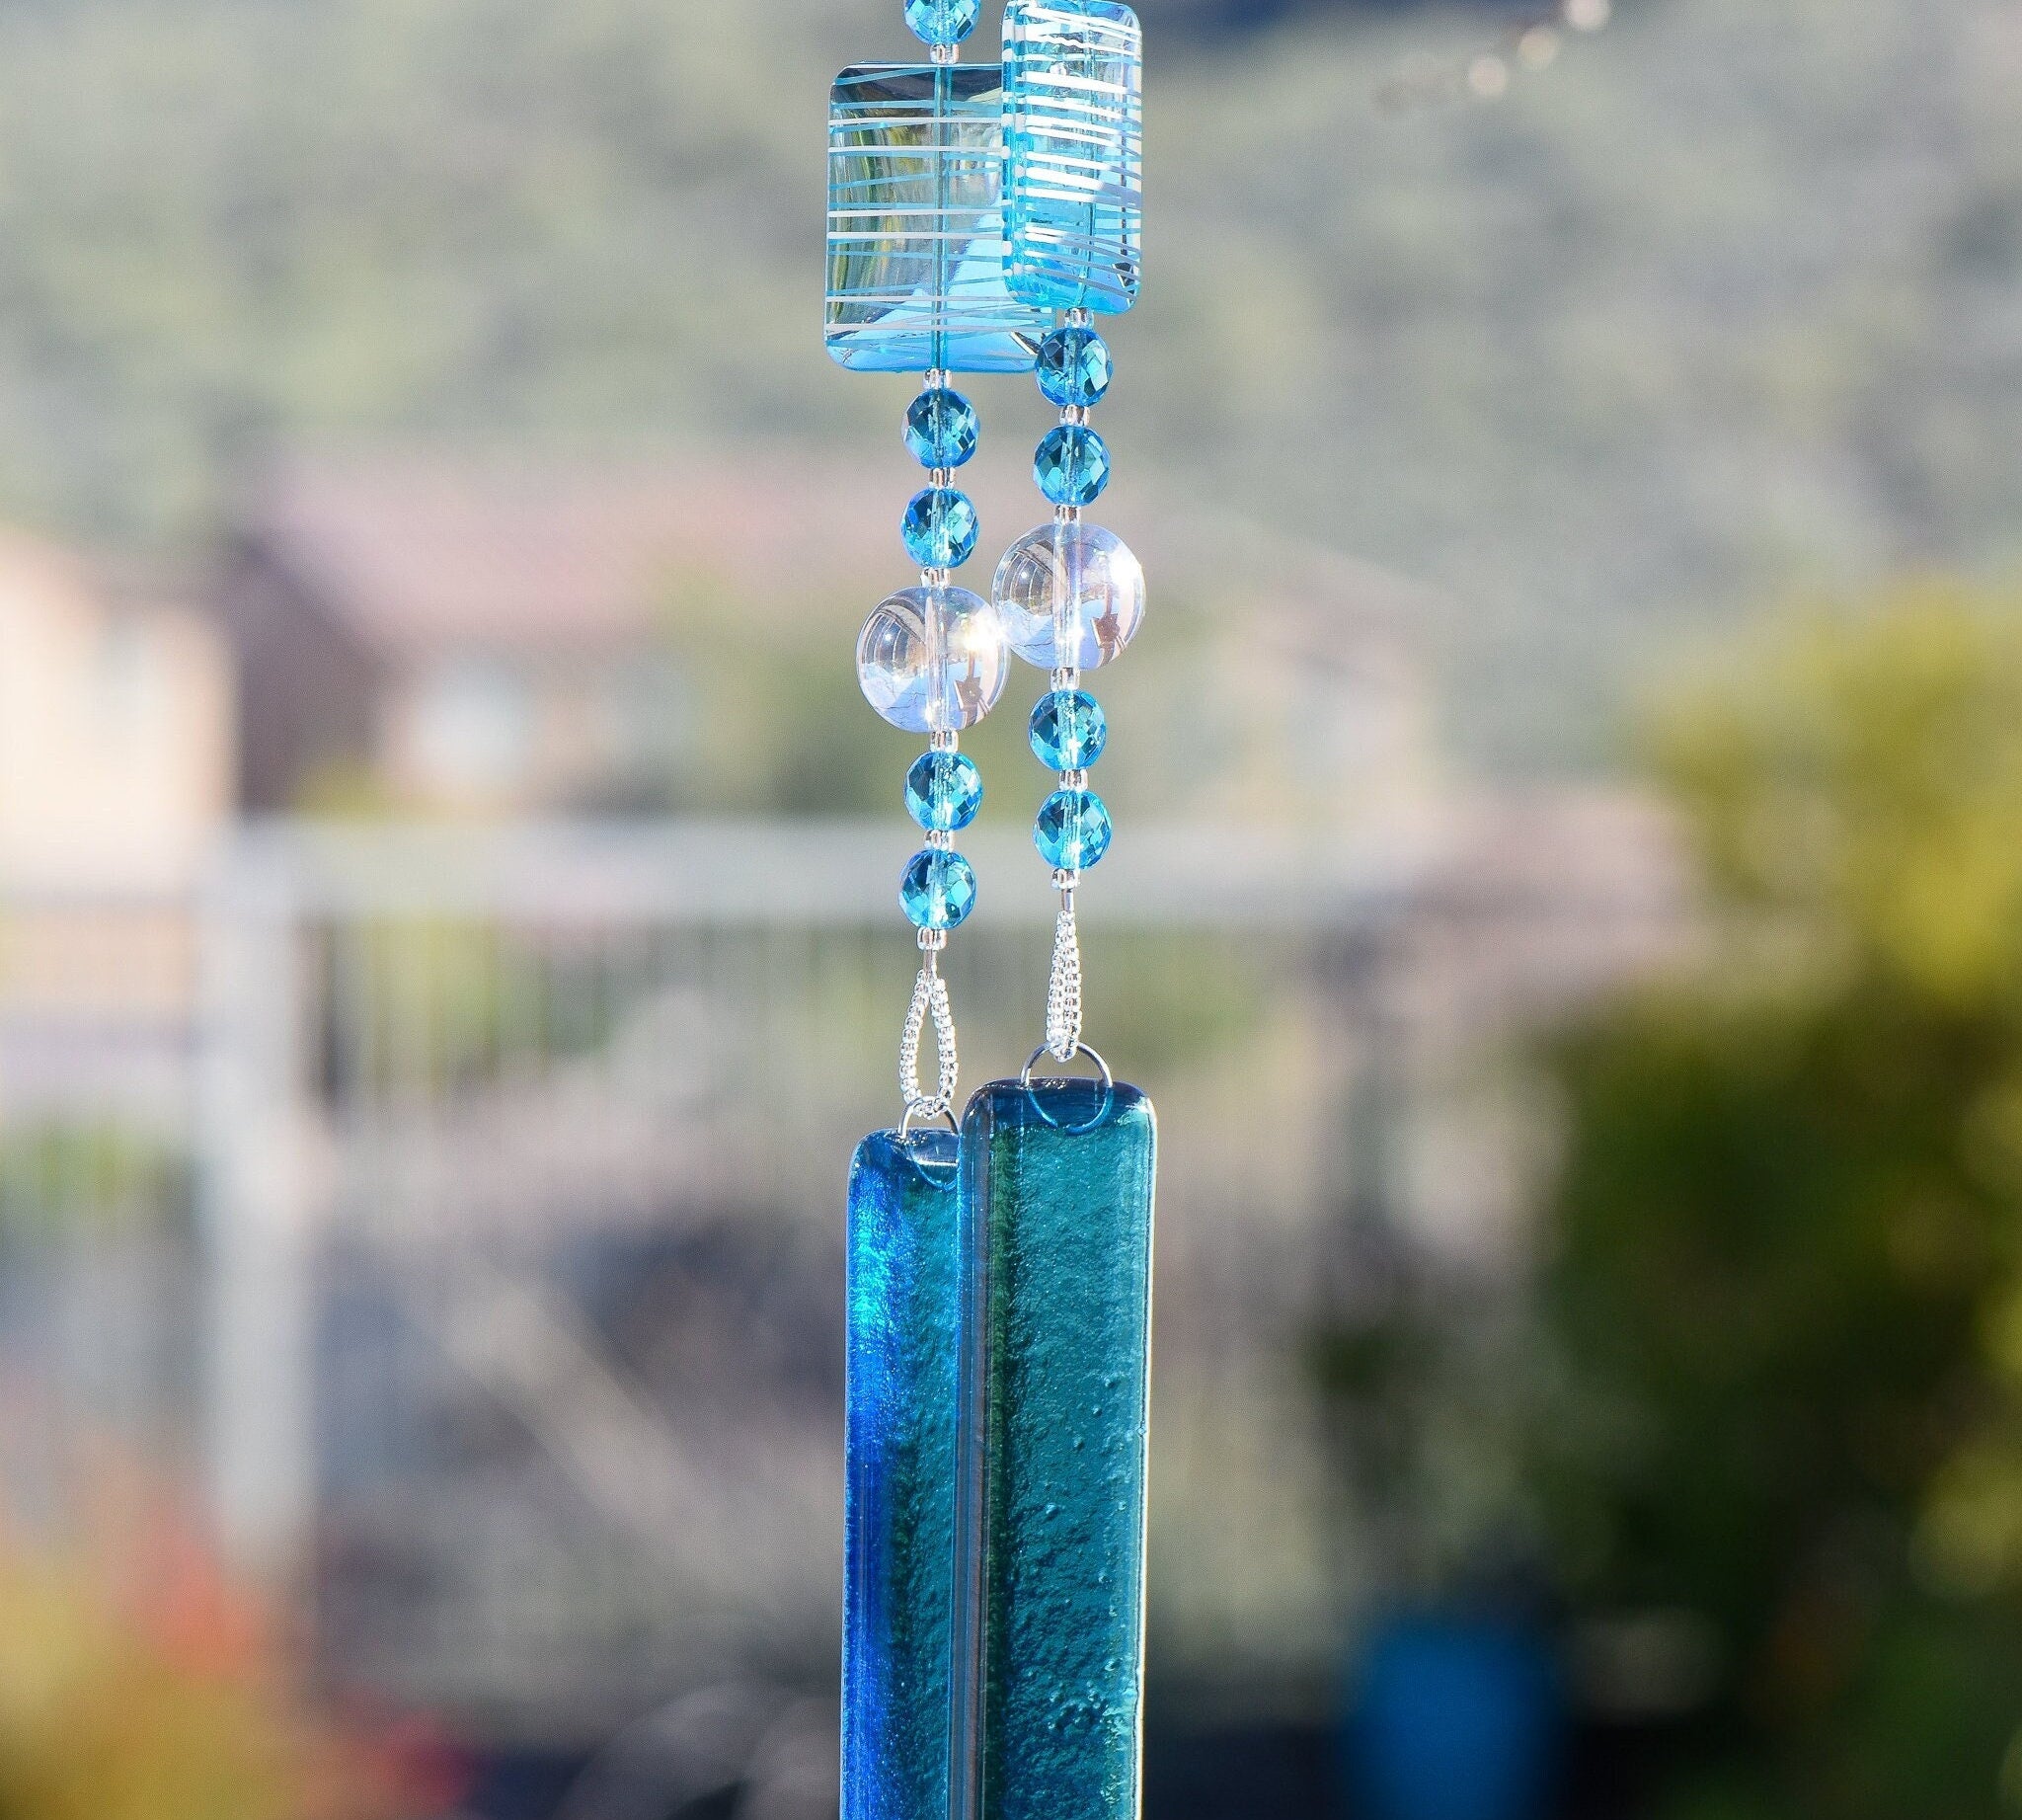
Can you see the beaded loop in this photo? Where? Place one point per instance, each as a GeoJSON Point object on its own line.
{"type": "Point", "coordinates": [929, 1000]}
{"type": "Point", "coordinates": [1063, 986]}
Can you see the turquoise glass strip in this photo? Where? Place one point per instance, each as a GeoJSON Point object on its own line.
{"type": "Point", "coordinates": [916, 224]}
{"type": "Point", "coordinates": [1074, 144]}
{"type": "Point", "coordinates": [1056, 1194]}
{"type": "Point", "coordinates": [898, 1516]}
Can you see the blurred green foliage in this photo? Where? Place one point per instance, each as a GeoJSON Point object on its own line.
{"type": "Point", "coordinates": [1786, 1270]}
{"type": "Point", "coordinates": [73, 1173]}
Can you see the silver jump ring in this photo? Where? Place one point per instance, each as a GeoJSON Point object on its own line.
{"type": "Point", "coordinates": [1108, 1080]}
{"type": "Point", "coordinates": [926, 1110]}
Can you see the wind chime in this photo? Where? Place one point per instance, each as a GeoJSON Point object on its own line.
{"type": "Point", "coordinates": [980, 217]}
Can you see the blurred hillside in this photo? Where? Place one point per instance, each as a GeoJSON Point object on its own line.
{"type": "Point", "coordinates": [1721, 303]}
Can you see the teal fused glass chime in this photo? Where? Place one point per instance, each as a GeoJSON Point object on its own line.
{"type": "Point", "coordinates": [981, 217]}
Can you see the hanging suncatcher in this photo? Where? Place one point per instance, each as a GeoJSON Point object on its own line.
{"type": "Point", "coordinates": [980, 217]}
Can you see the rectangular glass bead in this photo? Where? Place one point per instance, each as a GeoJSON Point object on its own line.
{"type": "Point", "coordinates": [916, 223]}
{"type": "Point", "coordinates": [1056, 1197]}
{"type": "Point", "coordinates": [1074, 139]}
{"type": "Point", "coordinates": [899, 1426]}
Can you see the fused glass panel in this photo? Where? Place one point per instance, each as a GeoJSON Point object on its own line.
{"type": "Point", "coordinates": [1073, 131]}
{"type": "Point", "coordinates": [916, 224]}
{"type": "Point", "coordinates": [1056, 1196]}
{"type": "Point", "coordinates": [899, 1521]}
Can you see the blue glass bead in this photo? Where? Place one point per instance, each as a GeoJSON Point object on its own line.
{"type": "Point", "coordinates": [937, 890]}
{"type": "Point", "coordinates": [1056, 1204]}
{"type": "Point", "coordinates": [933, 660]}
{"type": "Point", "coordinates": [1073, 143]}
{"type": "Point", "coordinates": [1071, 596]}
{"type": "Point", "coordinates": [916, 224]}
{"type": "Point", "coordinates": [941, 428]}
{"type": "Point", "coordinates": [1068, 730]}
{"type": "Point", "coordinates": [939, 529]}
{"type": "Point", "coordinates": [1072, 466]}
{"type": "Point", "coordinates": [1074, 366]}
{"type": "Point", "coordinates": [898, 1510]}
{"type": "Point", "coordinates": [943, 791]}
{"type": "Point", "coordinates": [942, 22]}
{"type": "Point", "coordinates": [1074, 830]}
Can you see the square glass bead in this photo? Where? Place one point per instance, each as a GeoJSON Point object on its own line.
{"type": "Point", "coordinates": [916, 224]}
{"type": "Point", "coordinates": [1074, 139]}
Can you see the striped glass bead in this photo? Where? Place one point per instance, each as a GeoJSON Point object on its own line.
{"type": "Point", "coordinates": [916, 224]}
{"type": "Point", "coordinates": [1073, 141]}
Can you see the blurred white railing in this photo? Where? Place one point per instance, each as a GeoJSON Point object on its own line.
{"type": "Point", "coordinates": [517, 1161]}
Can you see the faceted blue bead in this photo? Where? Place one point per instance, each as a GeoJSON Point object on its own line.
{"type": "Point", "coordinates": [939, 527]}
{"type": "Point", "coordinates": [1074, 366]}
{"type": "Point", "coordinates": [937, 890]}
{"type": "Point", "coordinates": [1072, 466]}
{"type": "Point", "coordinates": [941, 428]}
{"type": "Point", "coordinates": [1074, 830]}
{"type": "Point", "coordinates": [1068, 730]}
{"type": "Point", "coordinates": [943, 791]}
{"type": "Point", "coordinates": [942, 22]}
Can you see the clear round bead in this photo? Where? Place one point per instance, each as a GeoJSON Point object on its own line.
{"type": "Point", "coordinates": [1071, 596]}
{"type": "Point", "coordinates": [933, 660]}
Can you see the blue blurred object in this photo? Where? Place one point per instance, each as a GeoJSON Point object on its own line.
{"type": "Point", "coordinates": [1453, 1719]}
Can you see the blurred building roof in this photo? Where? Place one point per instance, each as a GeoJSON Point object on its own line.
{"type": "Point", "coordinates": [421, 550]}
{"type": "Point", "coordinates": [358, 584]}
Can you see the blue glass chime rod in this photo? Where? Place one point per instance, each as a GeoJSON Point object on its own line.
{"type": "Point", "coordinates": [1048, 1610]}
{"type": "Point", "coordinates": [898, 1511]}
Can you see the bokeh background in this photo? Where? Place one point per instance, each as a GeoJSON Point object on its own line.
{"type": "Point", "coordinates": [1568, 904]}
